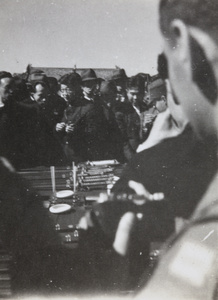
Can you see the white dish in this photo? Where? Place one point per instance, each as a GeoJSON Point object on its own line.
{"type": "Point", "coordinates": [64, 194]}
{"type": "Point", "coordinates": [59, 208]}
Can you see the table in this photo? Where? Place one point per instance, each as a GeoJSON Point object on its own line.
{"type": "Point", "coordinates": [66, 223]}
{"type": "Point", "coordinates": [90, 176]}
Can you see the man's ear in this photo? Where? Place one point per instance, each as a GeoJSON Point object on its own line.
{"type": "Point", "coordinates": [179, 41]}
{"type": "Point", "coordinates": [202, 71]}
{"type": "Point", "coordinates": [198, 53]}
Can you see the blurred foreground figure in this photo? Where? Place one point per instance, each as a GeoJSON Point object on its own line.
{"type": "Point", "coordinates": [188, 265]}
{"type": "Point", "coordinates": [189, 268]}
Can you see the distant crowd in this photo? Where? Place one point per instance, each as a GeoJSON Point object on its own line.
{"type": "Point", "coordinates": [48, 121]}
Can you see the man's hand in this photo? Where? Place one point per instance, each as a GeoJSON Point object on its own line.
{"type": "Point", "coordinates": [60, 126]}
{"type": "Point", "coordinates": [70, 128]}
{"type": "Point", "coordinates": [140, 189]}
{"type": "Point", "coordinates": [122, 237]}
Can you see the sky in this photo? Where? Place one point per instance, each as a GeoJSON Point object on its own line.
{"type": "Point", "coordinates": [85, 33]}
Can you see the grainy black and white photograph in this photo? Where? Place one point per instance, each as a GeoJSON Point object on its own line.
{"type": "Point", "coordinates": [108, 149]}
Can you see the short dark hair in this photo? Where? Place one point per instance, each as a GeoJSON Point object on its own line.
{"type": "Point", "coordinates": [199, 13]}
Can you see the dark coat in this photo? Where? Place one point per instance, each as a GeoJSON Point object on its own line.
{"type": "Point", "coordinates": [180, 167]}
{"type": "Point", "coordinates": [17, 134]}
{"type": "Point", "coordinates": [54, 109]}
{"type": "Point", "coordinates": [87, 140]}
{"type": "Point", "coordinates": [27, 137]}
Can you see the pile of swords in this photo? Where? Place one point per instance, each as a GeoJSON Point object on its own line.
{"type": "Point", "coordinates": [96, 177]}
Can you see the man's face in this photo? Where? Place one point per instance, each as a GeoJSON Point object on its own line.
{"type": "Point", "coordinates": [89, 87]}
{"type": "Point", "coordinates": [194, 104]}
{"type": "Point", "coordinates": [134, 95]}
{"type": "Point", "coordinates": [6, 89]}
{"type": "Point", "coordinates": [41, 93]}
{"type": "Point", "coordinates": [65, 92]}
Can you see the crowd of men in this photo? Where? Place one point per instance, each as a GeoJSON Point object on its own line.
{"type": "Point", "coordinates": [177, 156]}
{"type": "Point", "coordinates": [78, 118]}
